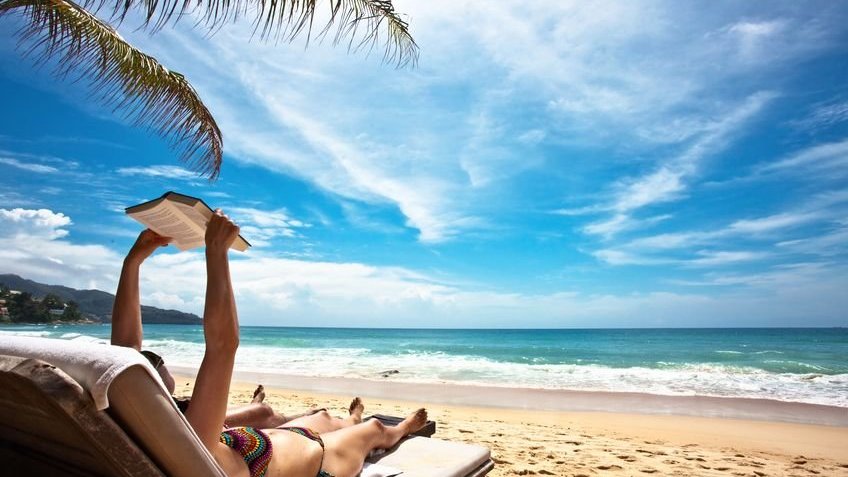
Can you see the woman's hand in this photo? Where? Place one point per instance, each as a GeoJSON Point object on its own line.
{"type": "Point", "coordinates": [220, 233]}
{"type": "Point", "coordinates": [146, 243]}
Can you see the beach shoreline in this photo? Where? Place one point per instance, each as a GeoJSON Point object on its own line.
{"type": "Point", "coordinates": [553, 400]}
{"type": "Point", "coordinates": [579, 443]}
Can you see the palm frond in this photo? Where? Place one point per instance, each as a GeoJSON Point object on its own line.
{"type": "Point", "coordinates": [122, 77]}
{"type": "Point", "coordinates": [362, 23]}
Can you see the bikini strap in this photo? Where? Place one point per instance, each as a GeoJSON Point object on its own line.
{"type": "Point", "coordinates": [307, 433]}
{"type": "Point", "coordinates": [253, 445]}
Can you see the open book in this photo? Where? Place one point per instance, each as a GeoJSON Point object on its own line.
{"type": "Point", "coordinates": [180, 217]}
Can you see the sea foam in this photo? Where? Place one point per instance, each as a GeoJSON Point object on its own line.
{"type": "Point", "coordinates": [747, 372]}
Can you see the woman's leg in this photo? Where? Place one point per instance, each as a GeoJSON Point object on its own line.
{"type": "Point", "coordinates": [345, 450]}
{"type": "Point", "coordinates": [322, 422]}
{"type": "Point", "coordinates": [255, 414]}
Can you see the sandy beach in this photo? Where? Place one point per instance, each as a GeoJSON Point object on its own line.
{"type": "Point", "coordinates": [539, 442]}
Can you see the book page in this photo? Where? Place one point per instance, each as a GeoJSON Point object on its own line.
{"type": "Point", "coordinates": [181, 218]}
{"type": "Point", "coordinates": [196, 217]}
{"type": "Point", "coordinates": [200, 214]}
{"type": "Point", "coordinates": [167, 221]}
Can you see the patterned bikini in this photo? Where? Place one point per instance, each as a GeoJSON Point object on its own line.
{"type": "Point", "coordinates": [255, 447]}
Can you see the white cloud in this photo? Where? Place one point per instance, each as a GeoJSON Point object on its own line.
{"type": "Point", "coordinates": [277, 291]}
{"type": "Point", "coordinates": [11, 198]}
{"type": "Point", "coordinates": [781, 277]}
{"type": "Point", "coordinates": [578, 211]}
{"type": "Point", "coordinates": [609, 227]}
{"type": "Point", "coordinates": [823, 115]}
{"type": "Point", "coordinates": [667, 182]}
{"type": "Point", "coordinates": [755, 38]}
{"type": "Point", "coordinates": [701, 258]}
{"type": "Point", "coordinates": [724, 257]}
{"type": "Point", "coordinates": [830, 243]}
{"type": "Point", "coordinates": [661, 186]}
{"type": "Point", "coordinates": [670, 240]}
{"type": "Point", "coordinates": [41, 223]}
{"type": "Point", "coordinates": [773, 222]}
{"type": "Point", "coordinates": [785, 231]}
{"type": "Point", "coordinates": [621, 222]}
{"type": "Point", "coordinates": [33, 245]}
{"type": "Point", "coordinates": [821, 208]}
{"type": "Point", "coordinates": [533, 136]}
{"type": "Point", "coordinates": [830, 159]}
{"type": "Point", "coordinates": [361, 169]}
{"type": "Point", "coordinates": [38, 168]}
{"type": "Point", "coordinates": [584, 72]}
{"type": "Point", "coordinates": [261, 227]}
{"type": "Point", "coordinates": [623, 257]}
{"type": "Point", "coordinates": [164, 171]}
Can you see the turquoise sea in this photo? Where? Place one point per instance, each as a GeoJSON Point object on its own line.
{"type": "Point", "coordinates": [801, 365]}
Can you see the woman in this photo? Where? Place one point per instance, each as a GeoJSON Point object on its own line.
{"type": "Point", "coordinates": [287, 451]}
{"type": "Point", "coordinates": [127, 331]}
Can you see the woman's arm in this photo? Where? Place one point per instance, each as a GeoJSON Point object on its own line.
{"type": "Point", "coordinates": [126, 311]}
{"type": "Point", "coordinates": [220, 327]}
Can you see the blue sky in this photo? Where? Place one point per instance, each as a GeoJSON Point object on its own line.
{"type": "Point", "coordinates": [547, 164]}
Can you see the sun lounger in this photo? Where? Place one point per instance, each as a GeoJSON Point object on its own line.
{"type": "Point", "coordinates": [425, 457]}
{"type": "Point", "coordinates": [71, 408]}
{"type": "Point", "coordinates": [419, 456]}
{"type": "Point", "coordinates": [427, 431]}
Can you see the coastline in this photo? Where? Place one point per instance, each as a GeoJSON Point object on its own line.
{"type": "Point", "coordinates": [531, 441]}
{"type": "Point", "coordinates": [553, 400]}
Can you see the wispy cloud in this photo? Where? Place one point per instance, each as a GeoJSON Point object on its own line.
{"type": "Point", "coordinates": [623, 257]}
{"type": "Point", "coordinates": [64, 139]}
{"type": "Point", "coordinates": [755, 38]}
{"type": "Point", "coordinates": [829, 243]}
{"type": "Point", "coordinates": [831, 159]}
{"type": "Point", "coordinates": [26, 157]}
{"type": "Point", "coordinates": [813, 163]}
{"type": "Point", "coordinates": [787, 276]}
{"type": "Point", "coordinates": [706, 258]}
{"type": "Point", "coordinates": [545, 56]}
{"type": "Point", "coordinates": [780, 221]}
{"type": "Point", "coordinates": [668, 182]}
{"type": "Point", "coordinates": [38, 168]}
{"type": "Point", "coordinates": [823, 115]}
{"type": "Point", "coordinates": [765, 232]}
{"type": "Point", "coordinates": [261, 227]}
{"type": "Point", "coordinates": [162, 171]}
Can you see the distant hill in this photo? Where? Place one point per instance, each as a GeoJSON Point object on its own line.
{"type": "Point", "coordinates": [97, 304]}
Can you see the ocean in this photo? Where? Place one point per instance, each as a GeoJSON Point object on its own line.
{"type": "Point", "coordinates": [796, 365]}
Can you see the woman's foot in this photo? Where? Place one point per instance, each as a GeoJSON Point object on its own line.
{"type": "Point", "coordinates": [414, 421]}
{"type": "Point", "coordinates": [259, 394]}
{"type": "Point", "coordinates": [356, 409]}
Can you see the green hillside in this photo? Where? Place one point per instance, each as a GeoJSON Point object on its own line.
{"type": "Point", "coordinates": [96, 304]}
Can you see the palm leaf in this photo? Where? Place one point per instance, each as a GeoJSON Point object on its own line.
{"type": "Point", "coordinates": [122, 77]}
{"type": "Point", "coordinates": [360, 22]}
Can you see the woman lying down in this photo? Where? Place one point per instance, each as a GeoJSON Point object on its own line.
{"type": "Point", "coordinates": [290, 451]}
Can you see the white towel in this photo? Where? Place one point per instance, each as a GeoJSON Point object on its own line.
{"type": "Point", "coordinates": [377, 470]}
{"type": "Point", "coordinates": [92, 365]}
